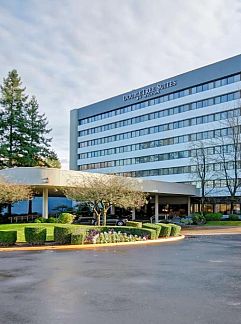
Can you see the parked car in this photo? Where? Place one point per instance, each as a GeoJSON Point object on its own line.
{"type": "Point", "coordinates": [115, 220]}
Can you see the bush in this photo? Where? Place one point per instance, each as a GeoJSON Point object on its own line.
{"type": "Point", "coordinates": [165, 230]}
{"type": "Point", "coordinates": [134, 224]}
{"type": "Point", "coordinates": [52, 220]}
{"type": "Point", "coordinates": [186, 221]}
{"type": "Point", "coordinates": [233, 217]}
{"type": "Point", "coordinates": [213, 217]}
{"type": "Point", "coordinates": [40, 220]}
{"type": "Point", "coordinates": [78, 239]}
{"type": "Point", "coordinates": [66, 218]}
{"type": "Point", "coordinates": [35, 235]}
{"type": "Point", "coordinates": [198, 219]}
{"type": "Point", "coordinates": [8, 238]}
{"type": "Point", "coordinates": [155, 227]}
{"type": "Point", "coordinates": [62, 235]}
{"type": "Point", "coordinates": [175, 230]}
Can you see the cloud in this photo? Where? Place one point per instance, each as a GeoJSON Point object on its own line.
{"type": "Point", "coordinates": [76, 52]}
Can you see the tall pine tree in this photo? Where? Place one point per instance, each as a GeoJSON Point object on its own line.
{"type": "Point", "coordinates": [37, 141]}
{"type": "Point", "coordinates": [24, 132]}
{"type": "Point", "coordinates": [12, 121]}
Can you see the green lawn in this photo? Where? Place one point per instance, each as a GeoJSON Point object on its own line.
{"type": "Point", "coordinates": [20, 229]}
{"type": "Point", "coordinates": [223, 223]}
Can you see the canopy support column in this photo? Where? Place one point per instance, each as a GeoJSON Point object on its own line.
{"type": "Point", "coordinates": [45, 203]}
{"type": "Point", "coordinates": [156, 208]}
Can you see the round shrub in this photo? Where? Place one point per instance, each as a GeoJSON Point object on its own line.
{"type": "Point", "coordinates": [8, 238]}
{"type": "Point", "coordinates": [35, 235]}
{"type": "Point", "coordinates": [165, 230]}
{"type": "Point", "coordinates": [198, 219]}
{"type": "Point", "coordinates": [62, 235]}
{"type": "Point", "coordinates": [233, 217]}
{"type": "Point", "coordinates": [175, 230]}
{"type": "Point", "coordinates": [66, 218]}
{"type": "Point", "coordinates": [78, 238]}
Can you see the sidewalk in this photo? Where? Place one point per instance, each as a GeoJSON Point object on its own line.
{"type": "Point", "coordinates": [211, 230]}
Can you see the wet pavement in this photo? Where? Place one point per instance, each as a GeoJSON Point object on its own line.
{"type": "Point", "coordinates": [196, 281]}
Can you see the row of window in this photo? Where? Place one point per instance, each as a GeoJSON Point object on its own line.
{"type": "Point", "coordinates": [170, 171]}
{"type": "Point", "coordinates": [158, 157]}
{"type": "Point", "coordinates": [171, 96]}
{"type": "Point", "coordinates": [162, 113]}
{"type": "Point", "coordinates": [162, 128]}
{"type": "Point", "coordinates": [158, 143]}
{"type": "Point", "coordinates": [218, 183]}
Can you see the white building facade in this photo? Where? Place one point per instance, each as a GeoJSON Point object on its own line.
{"type": "Point", "coordinates": [149, 132]}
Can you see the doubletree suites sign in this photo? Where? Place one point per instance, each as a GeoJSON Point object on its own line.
{"type": "Point", "coordinates": [149, 91]}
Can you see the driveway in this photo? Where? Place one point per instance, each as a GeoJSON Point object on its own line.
{"type": "Point", "coordinates": [194, 281]}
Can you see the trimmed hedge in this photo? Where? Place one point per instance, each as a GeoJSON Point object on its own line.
{"type": "Point", "coordinates": [62, 235]}
{"type": "Point", "coordinates": [175, 230]}
{"type": "Point", "coordinates": [78, 239]}
{"type": "Point", "coordinates": [8, 238]}
{"type": "Point", "coordinates": [134, 224]}
{"type": "Point", "coordinates": [165, 230]}
{"type": "Point", "coordinates": [155, 227]}
{"type": "Point", "coordinates": [66, 218]}
{"type": "Point", "coordinates": [35, 235]}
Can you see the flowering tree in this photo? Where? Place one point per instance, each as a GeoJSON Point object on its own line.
{"type": "Point", "coordinates": [11, 192]}
{"type": "Point", "coordinates": [103, 191]}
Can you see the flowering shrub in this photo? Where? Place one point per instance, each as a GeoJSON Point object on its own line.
{"type": "Point", "coordinates": [92, 236]}
{"type": "Point", "coordinates": [96, 236]}
{"type": "Point", "coordinates": [186, 221]}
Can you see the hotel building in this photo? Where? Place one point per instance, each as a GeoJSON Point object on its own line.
{"type": "Point", "coordinates": [150, 132]}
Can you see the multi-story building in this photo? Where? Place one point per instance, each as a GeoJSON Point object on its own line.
{"type": "Point", "coordinates": [149, 132]}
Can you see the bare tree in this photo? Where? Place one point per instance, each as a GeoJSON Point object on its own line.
{"type": "Point", "coordinates": [228, 154]}
{"type": "Point", "coordinates": [103, 191]}
{"type": "Point", "coordinates": [201, 159]}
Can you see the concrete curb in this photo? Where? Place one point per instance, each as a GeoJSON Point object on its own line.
{"type": "Point", "coordinates": [90, 246]}
{"type": "Point", "coordinates": [210, 234]}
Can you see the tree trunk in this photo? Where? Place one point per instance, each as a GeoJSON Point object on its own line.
{"type": "Point", "coordinates": [30, 207]}
{"type": "Point", "coordinates": [104, 217]}
{"type": "Point", "coordinates": [9, 210]}
{"type": "Point", "coordinates": [98, 219]}
{"type": "Point", "coordinates": [202, 206]}
{"type": "Point", "coordinates": [232, 206]}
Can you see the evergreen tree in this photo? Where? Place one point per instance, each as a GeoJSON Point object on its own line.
{"type": "Point", "coordinates": [37, 142]}
{"type": "Point", "coordinates": [24, 139]}
{"type": "Point", "coordinates": [12, 121]}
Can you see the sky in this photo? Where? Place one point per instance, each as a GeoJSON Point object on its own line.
{"type": "Point", "coordinates": [71, 53]}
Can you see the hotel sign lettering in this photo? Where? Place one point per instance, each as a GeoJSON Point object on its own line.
{"type": "Point", "coordinates": [149, 92]}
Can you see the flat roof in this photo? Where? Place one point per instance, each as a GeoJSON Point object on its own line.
{"type": "Point", "coordinates": [201, 75]}
{"type": "Point", "coordinates": [54, 179]}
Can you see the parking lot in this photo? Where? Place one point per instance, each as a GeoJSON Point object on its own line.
{"type": "Point", "coordinates": [196, 281]}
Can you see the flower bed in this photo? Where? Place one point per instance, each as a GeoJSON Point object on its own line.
{"type": "Point", "coordinates": [112, 236]}
{"type": "Point", "coordinates": [81, 234]}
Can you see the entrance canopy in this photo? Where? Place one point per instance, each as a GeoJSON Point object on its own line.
{"type": "Point", "coordinates": [50, 181]}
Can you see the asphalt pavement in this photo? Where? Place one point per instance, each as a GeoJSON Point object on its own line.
{"type": "Point", "coordinates": [193, 281]}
